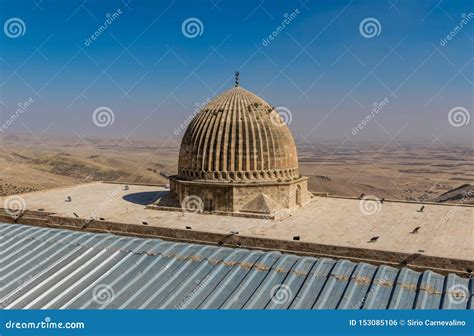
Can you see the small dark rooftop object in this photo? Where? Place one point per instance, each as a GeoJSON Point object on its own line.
{"type": "Point", "coordinates": [296, 237]}
{"type": "Point", "coordinates": [68, 199]}
{"type": "Point", "coordinates": [125, 187]}
{"type": "Point", "coordinates": [101, 218]}
{"type": "Point", "coordinates": [421, 209]}
{"type": "Point", "coordinates": [415, 230]}
{"type": "Point", "coordinates": [361, 195]}
{"type": "Point", "coordinates": [382, 200]}
{"type": "Point", "coordinates": [40, 209]}
{"type": "Point", "coordinates": [75, 214]}
{"type": "Point", "coordinates": [145, 223]}
{"type": "Point", "coordinates": [373, 239]}
{"type": "Point", "coordinates": [188, 228]}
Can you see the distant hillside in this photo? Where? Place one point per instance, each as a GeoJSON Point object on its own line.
{"type": "Point", "coordinates": [464, 192]}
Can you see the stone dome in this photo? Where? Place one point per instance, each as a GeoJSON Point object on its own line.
{"type": "Point", "coordinates": [238, 137]}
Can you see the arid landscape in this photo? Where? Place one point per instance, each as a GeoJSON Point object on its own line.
{"type": "Point", "coordinates": [405, 172]}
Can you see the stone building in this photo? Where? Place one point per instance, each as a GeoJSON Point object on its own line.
{"type": "Point", "coordinates": [237, 156]}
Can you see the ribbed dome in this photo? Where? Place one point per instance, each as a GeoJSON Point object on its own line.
{"type": "Point", "coordinates": [238, 137]}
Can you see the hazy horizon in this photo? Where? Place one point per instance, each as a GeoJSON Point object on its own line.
{"type": "Point", "coordinates": [340, 71]}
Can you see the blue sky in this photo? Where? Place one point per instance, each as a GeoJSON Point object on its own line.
{"type": "Point", "coordinates": [319, 66]}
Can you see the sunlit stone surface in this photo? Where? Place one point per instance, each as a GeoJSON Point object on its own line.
{"type": "Point", "coordinates": [238, 157]}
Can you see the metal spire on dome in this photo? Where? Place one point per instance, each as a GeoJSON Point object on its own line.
{"type": "Point", "coordinates": [237, 74]}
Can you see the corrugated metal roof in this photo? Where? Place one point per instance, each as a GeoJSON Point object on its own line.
{"type": "Point", "coordinates": [50, 268]}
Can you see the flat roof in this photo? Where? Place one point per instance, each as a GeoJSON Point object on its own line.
{"type": "Point", "coordinates": [445, 231]}
{"type": "Point", "coordinates": [45, 268]}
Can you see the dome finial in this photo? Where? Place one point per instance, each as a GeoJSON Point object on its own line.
{"type": "Point", "coordinates": [237, 78]}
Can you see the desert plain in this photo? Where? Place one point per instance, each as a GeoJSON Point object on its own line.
{"type": "Point", "coordinates": [412, 172]}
